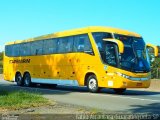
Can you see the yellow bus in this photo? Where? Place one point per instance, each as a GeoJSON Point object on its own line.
{"type": "Point", "coordinates": [96, 57]}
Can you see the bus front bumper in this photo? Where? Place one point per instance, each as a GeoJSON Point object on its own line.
{"type": "Point", "coordinates": [124, 81]}
{"type": "Point", "coordinates": [134, 82]}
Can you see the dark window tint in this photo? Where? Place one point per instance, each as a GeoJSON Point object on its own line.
{"type": "Point", "coordinates": [50, 46]}
{"type": "Point", "coordinates": [110, 54]}
{"type": "Point", "coordinates": [36, 47]}
{"type": "Point", "coordinates": [99, 36]}
{"type": "Point", "coordinates": [79, 43]}
{"type": "Point", "coordinates": [62, 43]}
{"type": "Point", "coordinates": [65, 44]}
{"type": "Point", "coordinates": [15, 50]}
{"type": "Point", "coordinates": [25, 49]}
{"type": "Point", "coordinates": [69, 45]}
{"type": "Point", "coordinates": [82, 43]}
{"type": "Point", "coordinates": [8, 50]}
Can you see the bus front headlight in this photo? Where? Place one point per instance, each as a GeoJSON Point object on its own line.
{"type": "Point", "coordinates": [123, 75]}
{"type": "Point", "coordinates": [134, 78]}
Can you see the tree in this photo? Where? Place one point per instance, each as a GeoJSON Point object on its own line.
{"type": "Point", "coordinates": [155, 66]}
{"type": "Point", "coordinates": [158, 50]}
{"type": "Point", "coordinates": [1, 56]}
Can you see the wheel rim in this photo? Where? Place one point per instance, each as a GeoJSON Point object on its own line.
{"type": "Point", "coordinates": [19, 78]}
{"type": "Point", "coordinates": [92, 84]}
{"type": "Point", "coordinates": [26, 81]}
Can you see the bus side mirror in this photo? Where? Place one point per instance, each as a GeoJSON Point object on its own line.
{"type": "Point", "coordinates": [152, 50]}
{"type": "Point", "coordinates": [118, 42]}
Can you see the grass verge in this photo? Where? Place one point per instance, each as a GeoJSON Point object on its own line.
{"type": "Point", "coordinates": [20, 100]}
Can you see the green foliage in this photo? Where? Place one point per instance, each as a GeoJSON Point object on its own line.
{"type": "Point", "coordinates": [20, 99]}
{"type": "Point", "coordinates": [156, 63]}
{"type": "Point", "coordinates": [1, 63]}
{"type": "Point", "coordinates": [158, 48]}
{"type": "Point", "coordinates": [1, 56]}
{"type": "Point", "coordinates": [155, 68]}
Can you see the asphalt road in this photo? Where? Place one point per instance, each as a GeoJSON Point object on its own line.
{"type": "Point", "coordinates": [132, 101]}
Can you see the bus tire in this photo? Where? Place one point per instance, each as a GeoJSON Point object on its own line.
{"type": "Point", "coordinates": [19, 79]}
{"type": "Point", "coordinates": [119, 90]}
{"type": "Point", "coordinates": [27, 80]}
{"type": "Point", "coordinates": [92, 84]}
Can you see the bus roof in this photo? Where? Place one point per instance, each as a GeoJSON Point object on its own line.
{"type": "Point", "coordinates": [79, 31]}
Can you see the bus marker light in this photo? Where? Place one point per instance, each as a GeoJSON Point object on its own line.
{"type": "Point", "coordinates": [110, 83]}
{"type": "Point", "coordinates": [105, 67]}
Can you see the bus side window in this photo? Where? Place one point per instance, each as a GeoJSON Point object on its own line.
{"type": "Point", "coordinates": [8, 50]}
{"type": "Point", "coordinates": [87, 44]}
{"type": "Point", "coordinates": [110, 54]}
{"type": "Point", "coordinates": [22, 50]}
{"type": "Point", "coordinates": [82, 44]}
{"type": "Point", "coordinates": [33, 48]}
{"type": "Point", "coordinates": [36, 48]}
{"type": "Point", "coordinates": [78, 45]}
{"type": "Point", "coordinates": [69, 45]}
{"type": "Point", "coordinates": [11, 48]}
{"type": "Point", "coordinates": [15, 50]}
{"type": "Point", "coordinates": [50, 46]}
{"type": "Point", "coordinates": [39, 49]}
{"type": "Point", "coordinates": [62, 43]}
{"type": "Point", "coordinates": [98, 37]}
{"type": "Point", "coordinates": [26, 49]}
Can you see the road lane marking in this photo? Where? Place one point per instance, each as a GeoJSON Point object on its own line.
{"type": "Point", "coordinates": [126, 97]}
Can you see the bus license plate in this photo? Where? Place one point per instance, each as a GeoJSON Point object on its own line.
{"type": "Point", "coordinates": [139, 84]}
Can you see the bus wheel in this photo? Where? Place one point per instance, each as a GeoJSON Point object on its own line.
{"type": "Point", "coordinates": [27, 80]}
{"type": "Point", "coordinates": [119, 90]}
{"type": "Point", "coordinates": [19, 79]}
{"type": "Point", "coordinates": [92, 84]}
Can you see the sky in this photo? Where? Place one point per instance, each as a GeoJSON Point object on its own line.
{"type": "Point", "coordinates": [22, 19]}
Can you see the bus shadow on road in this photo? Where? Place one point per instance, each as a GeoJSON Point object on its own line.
{"type": "Point", "coordinates": [103, 91]}
{"type": "Point", "coordinates": [69, 89]}
{"type": "Point", "coordinates": [63, 88]}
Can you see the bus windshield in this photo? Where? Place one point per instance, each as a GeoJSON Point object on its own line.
{"type": "Point", "coordinates": [135, 57]}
